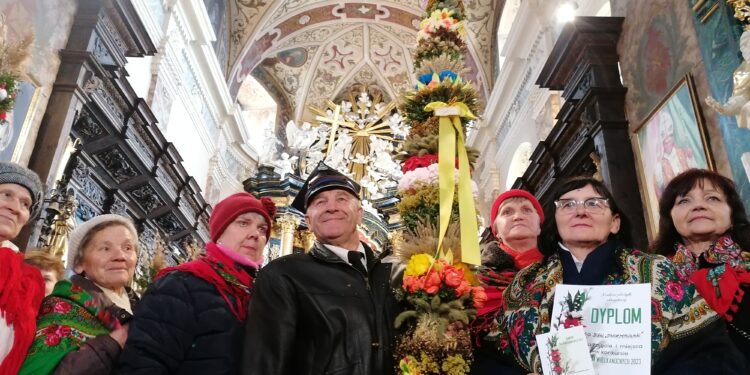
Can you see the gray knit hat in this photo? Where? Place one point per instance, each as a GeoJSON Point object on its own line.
{"type": "Point", "coordinates": [12, 173]}
{"type": "Point", "coordinates": [78, 234]}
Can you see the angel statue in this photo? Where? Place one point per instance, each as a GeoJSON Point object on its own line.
{"type": "Point", "coordinates": [322, 137]}
{"type": "Point", "coordinates": [739, 103]}
{"type": "Point", "coordinates": [285, 165]}
{"type": "Point", "coordinates": [300, 138]}
{"type": "Point", "coordinates": [267, 150]}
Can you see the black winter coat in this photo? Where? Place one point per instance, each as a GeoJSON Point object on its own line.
{"type": "Point", "coordinates": [314, 313]}
{"type": "Point", "coordinates": [182, 326]}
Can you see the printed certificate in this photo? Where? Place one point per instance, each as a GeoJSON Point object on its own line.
{"type": "Point", "coordinates": [616, 320]}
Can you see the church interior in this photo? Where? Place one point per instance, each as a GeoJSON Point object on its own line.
{"type": "Point", "coordinates": [158, 109]}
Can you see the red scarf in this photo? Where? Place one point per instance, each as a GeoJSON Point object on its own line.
{"type": "Point", "coordinates": [523, 259]}
{"type": "Point", "coordinates": [228, 276]}
{"type": "Point", "coordinates": [21, 293]}
{"type": "Point", "coordinates": [721, 284]}
{"type": "Point", "coordinates": [494, 284]}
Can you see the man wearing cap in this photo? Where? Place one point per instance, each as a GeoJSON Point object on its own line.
{"type": "Point", "coordinates": [21, 285]}
{"type": "Point", "coordinates": [516, 224]}
{"type": "Point", "coordinates": [328, 311]}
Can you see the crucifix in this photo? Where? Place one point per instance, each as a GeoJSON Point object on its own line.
{"type": "Point", "coordinates": [335, 121]}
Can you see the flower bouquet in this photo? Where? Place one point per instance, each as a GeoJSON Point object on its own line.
{"type": "Point", "coordinates": [13, 57]}
{"type": "Point", "coordinates": [444, 302]}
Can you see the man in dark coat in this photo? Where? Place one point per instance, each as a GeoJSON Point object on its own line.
{"type": "Point", "coordinates": [328, 311]}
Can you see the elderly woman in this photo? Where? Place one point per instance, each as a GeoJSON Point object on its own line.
{"type": "Point", "coordinates": [21, 285]}
{"type": "Point", "coordinates": [516, 219]}
{"type": "Point", "coordinates": [82, 325]}
{"type": "Point", "coordinates": [587, 242]}
{"type": "Point", "coordinates": [704, 228]}
{"type": "Point", "coordinates": [191, 319]}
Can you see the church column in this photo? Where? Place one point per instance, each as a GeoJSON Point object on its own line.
{"type": "Point", "coordinates": [288, 224]}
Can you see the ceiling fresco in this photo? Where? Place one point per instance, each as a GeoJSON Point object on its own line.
{"type": "Point", "coordinates": [307, 51]}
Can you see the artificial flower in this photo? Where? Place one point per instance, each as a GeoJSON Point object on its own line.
{"type": "Point", "coordinates": [413, 284]}
{"type": "Point", "coordinates": [418, 265]}
{"type": "Point", "coordinates": [463, 288]}
{"type": "Point", "coordinates": [453, 276]}
{"type": "Point", "coordinates": [415, 162]}
{"type": "Point", "coordinates": [432, 282]}
{"type": "Point", "coordinates": [479, 296]}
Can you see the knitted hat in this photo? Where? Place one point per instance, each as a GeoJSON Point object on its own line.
{"type": "Point", "coordinates": [511, 194]}
{"type": "Point", "coordinates": [321, 179]}
{"type": "Point", "coordinates": [12, 173]}
{"type": "Point", "coordinates": [80, 232]}
{"type": "Point", "coordinates": [235, 205]}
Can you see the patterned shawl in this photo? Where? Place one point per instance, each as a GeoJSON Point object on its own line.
{"type": "Point", "coordinates": [718, 273]}
{"type": "Point", "coordinates": [75, 312]}
{"type": "Point", "coordinates": [495, 281]}
{"type": "Point", "coordinates": [231, 279]}
{"type": "Point", "coordinates": [676, 309]}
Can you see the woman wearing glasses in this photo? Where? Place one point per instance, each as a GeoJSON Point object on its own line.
{"type": "Point", "coordinates": [587, 242]}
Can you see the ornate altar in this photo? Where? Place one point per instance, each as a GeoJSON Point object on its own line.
{"type": "Point", "coordinates": [360, 137]}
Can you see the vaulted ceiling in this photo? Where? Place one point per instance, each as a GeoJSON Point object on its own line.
{"type": "Point", "coordinates": [307, 51]}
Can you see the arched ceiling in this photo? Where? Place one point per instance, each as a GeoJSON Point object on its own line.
{"type": "Point", "coordinates": [307, 51]}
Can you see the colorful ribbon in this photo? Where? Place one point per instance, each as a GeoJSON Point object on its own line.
{"type": "Point", "coordinates": [451, 139]}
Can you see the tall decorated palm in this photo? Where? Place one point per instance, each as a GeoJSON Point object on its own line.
{"type": "Point", "coordinates": [440, 239]}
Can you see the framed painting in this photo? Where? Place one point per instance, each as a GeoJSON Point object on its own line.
{"type": "Point", "coordinates": [14, 133]}
{"type": "Point", "coordinates": [671, 140]}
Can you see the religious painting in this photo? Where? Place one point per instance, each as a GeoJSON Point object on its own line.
{"type": "Point", "coordinates": [671, 140]}
{"type": "Point", "coordinates": [14, 130]}
{"type": "Point", "coordinates": [659, 33]}
{"type": "Point", "coordinates": [295, 57]}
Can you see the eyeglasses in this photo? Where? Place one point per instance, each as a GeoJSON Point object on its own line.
{"type": "Point", "coordinates": [595, 205]}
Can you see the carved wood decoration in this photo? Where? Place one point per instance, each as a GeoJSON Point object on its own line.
{"type": "Point", "coordinates": [123, 164]}
{"type": "Point", "coordinates": [583, 64]}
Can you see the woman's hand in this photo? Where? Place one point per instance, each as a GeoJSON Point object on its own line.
{"type": "Point", "coordinates": [120, 334]}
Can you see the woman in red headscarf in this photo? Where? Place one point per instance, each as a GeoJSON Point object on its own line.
{"type": "Point", "coordinates": [516, 223]}
{"type": "Point", "coordinates": [191, 320]}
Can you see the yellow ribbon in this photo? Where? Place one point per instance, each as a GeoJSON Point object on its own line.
{"type": "Point", "coordinates": [451, 139]}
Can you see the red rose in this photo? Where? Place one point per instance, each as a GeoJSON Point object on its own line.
{"type": "Point", "coordinates": [62, 307]}
{"type": "Point", "coordinates": [555, 355]}
{"type": "Point", "coordinates": [480, 297]}
{"type": "Point", "coordinates": [52, 340]}
{"type": "Point", "coordinates": [413, 284]}
{"type": "Point", "coordinates": [463, 288]}
{"type": "Point", "coordinates": [453, 276]}
{"type": "Point", "coordinates": [3, 115]}
{"type": "Point", "coordinates": [432, 282]}
{"type": "Point", "coordinates": [63, 331]}
{"type": "Point", "coordinates": [49, 329]}
{"type": "Point", "coordinates": [415, 162]}
{"type": "Point", "coordinates": [557, 370]}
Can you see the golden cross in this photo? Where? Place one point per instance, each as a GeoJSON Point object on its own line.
{"type": "Point", "coordinates": [335, 122]}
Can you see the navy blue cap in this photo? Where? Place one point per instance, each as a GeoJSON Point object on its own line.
{"type": "Point", "coordinates": [321, 179]}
